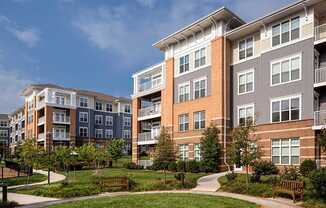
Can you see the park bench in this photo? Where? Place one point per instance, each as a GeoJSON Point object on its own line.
{"type": "Point", "coordinates": [116, 182]}
{"type": "Point", "coordinates": [294, 188]}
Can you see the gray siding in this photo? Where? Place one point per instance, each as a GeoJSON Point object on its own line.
{"type": "Point", "coordinates": [263, 92]}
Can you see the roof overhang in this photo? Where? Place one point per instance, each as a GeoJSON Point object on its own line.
{"type": "Point", "coordinates": [197, 26]}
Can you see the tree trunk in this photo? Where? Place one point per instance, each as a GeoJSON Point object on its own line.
{"type": "Point", "coordinates": [247, 177]}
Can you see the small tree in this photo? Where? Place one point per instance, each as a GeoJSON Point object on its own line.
{"type": "Point", "coordinates": [87, 153]}
{"type": "Point", "coordinates": [244, 150]}
{"type": "Point", "coordinates": [210, 148]}
{"type": "Point", "coordinates": [164, 153]}
{"type": "Point", "coordinates": [115, 149]}
{"type": "Point", "coordinates": [101, 156]}
{"type": "Point", "coordinates": [61, 156]}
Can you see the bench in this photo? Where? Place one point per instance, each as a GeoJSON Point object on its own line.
{"type": "Point", "coordinates": [294, 188]}
{"type": "Point", "coordinates": [116, 182]}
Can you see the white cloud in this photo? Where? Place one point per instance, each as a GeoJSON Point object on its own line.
{"type": "Point", "coordinates": [29, 36]}
{"type": "Point", "coordinates": [147, 3]}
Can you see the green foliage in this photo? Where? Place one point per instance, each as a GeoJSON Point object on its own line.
{"type": "Point", "coordinates": [30, 153]}
{"type": "Point", "coordinates": [164, 153]}
{"type": "Point", "coordinates": [193, 166]}
{"type": "Point", "coordinates": [115, 149]}
{"type": "Point", "coordinates": [307, 166]}
{"type": "Point", "coordinates": [180, 177]}
{"type": "Point", "coordinates": [322, 139]}
{"type": "Point", "coordinates": [210, 148]}
{"type": "Point", "coordinates": [318, 181]}
{"type": "Point", "coordinates": [132, 166]}
{"type": "Point", "coordinates": [263, 167]}
{"type": "Point", "coordinates": [87, 153]}
{"type": "Point", "coordinates": [181, 166]}
{"type": "Point", "coordinates": [231, 176]}
{"type": "Point", "coordinates": [9, 204]}
{"type": "Point", "coordinates": [172, 166]}
{"type": "Point", "coordinates": [101, 156]}
{"type": "Point", "coordinates": [61, 156]}
{"type": "Point", "coordinates": [290, 173]}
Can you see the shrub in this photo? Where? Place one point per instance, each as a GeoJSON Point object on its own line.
{"type": "Point", "coordinates": [181, 166]}
{"type": "Point", "coordinates": [231, 176]}
{"type": "Point", "coordinates": [193, 166]}
{"type": "Point", "coordinates": [307, 166]}
{"type": "Point", "coordinates": [290, 173]}
{"type": "Point", "coordinates": [132, 166]}
{"type": "Point", "coordinates": [318, 181]}
{"type": "Point", "coordinates": [180, 177]}
{"type": "Point", "coordinates": [9, 204]}
{"type": "Point", "coordinates": [172, 166]}
{"type": "Point", "coordinates": [143, 154]}
{"type": "Point", "coordinates": [263, 167]}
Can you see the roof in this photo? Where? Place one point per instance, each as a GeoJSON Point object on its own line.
{"type": "Point", "coordinates": [4, 116]}
{"type": "Point", "coordinates": [221, 13]}
{"type": "Point", "coordinates": [20, 109]}
{"type": "Point", "coordinates": [273, 16]}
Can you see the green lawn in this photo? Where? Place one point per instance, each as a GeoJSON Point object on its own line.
{"type": "Point", "coordinates": [160, 201]}
{"type": "Point", "coordinates": [36, 177]}
{"type": "Point", "coordinates": [86, 182]}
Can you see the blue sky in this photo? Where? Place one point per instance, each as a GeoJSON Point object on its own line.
{"type": "Point", "coordinates": [94, 44]}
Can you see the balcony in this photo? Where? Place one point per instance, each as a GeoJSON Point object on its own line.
{"type": "Point", "coordinates": [320, 33]}
{"type": "Point", "coordinates": [62, 136]}
{"type": "Point", "coordinates": [150, 85]}
{"type": "Point", "coordinates": [40, 104]}
{"type": "Point", "coordinates": [148, 138]}
{"type": "Point", "coordinates": [41, 137]}
{"type": "Point", "coordinates": [61, 119]}
{"type": "Point", "coordinates": [145, 163]}
{"type": "Point", "coordinates": [41, 121]}
{"type": "Point", "coordinates": [320, 77]}
{"type": "Point", "coordinates": [149, 112]}
{"type": "Point", "coordinates": [319, 120]}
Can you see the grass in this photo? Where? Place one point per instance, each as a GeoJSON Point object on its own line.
{"type": "Point", "coordinates": [36, 177]}
{"type": "Point", "coordinates": [85, 183]}
{"type": "Point", "coordinates": [160, 201]}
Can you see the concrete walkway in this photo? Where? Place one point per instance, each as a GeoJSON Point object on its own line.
{"type": "Point", "coordinates": [209, 183]}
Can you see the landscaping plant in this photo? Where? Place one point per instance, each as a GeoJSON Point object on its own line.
{"type": "Point", "coordinates": [307, 166]}
{"type": "Point", "coordinates": [318, 181]}
{"type": "Point", "coordinates": [263, 167]}
{"type": "Point", "coordinates": [115, 149]}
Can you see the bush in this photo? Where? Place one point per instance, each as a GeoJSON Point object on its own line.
{"type": "Point", "coordinates": [180, 177]}
{"type": "Point", "coordinates": [263, 167]}
{"type": "Point", "coordinates": [318, 181]}
{"type": "Point", "coordinates": [132, 166]}
{"type": "Point", "coordinates": [9, 204]}
{"type": "Point", "coordinates": [172, 166]}
{"type": "Point", "coordinates": [290, 173]}
{"type": "Point", "coordinates": [181, 166]}
{"type": "Point", "coordinates": [231, 176]}
{"type": "Point", "coordinates": [307, 166]}
{"type": "Point", "coordinates": [193, 166]}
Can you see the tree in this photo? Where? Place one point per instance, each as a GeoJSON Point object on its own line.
{"type": "Point", "coordinates": [210, 148]}
{"type": "Point", "coordinates": [61, 156]}
{"type": "Point", "coordinates": [101, 156]}
{"type": "Point", "coordinates": [87, 153]}
{"type": "Point", "coordinates": [322, 139]}
{"type": "Point", "coordinates": [164, 153]}
{"type": "Point", "coordinates": [115, 149]}
{"type": "Point", "coordinates": [243, 149]}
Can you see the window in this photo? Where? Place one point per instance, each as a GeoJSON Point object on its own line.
{"type": "Point", "coordinates": [126, 134]}
{"type": "Point", "coordinates": [108, 121]}
{"type": "Point", "coordinates": [109, 107]}
{"type": "Point", "coordinates": [246, 48]}
{"type": "Point", "coordinates": [246, 82]}
{"type": "Point", "coordinates": [127, 108]}
{"type": "Point", "coordinates": [286, 31]}
{"type": "Point", "coordinates": [285, 109]}
{"type": "Point", "coordinates": [83, 131]}
{"type": "Point", "coordinates": [184, 64]}
{"type": "Point", "coordinates": [245, 115]}
{"type": "Point", "coordinates": [184, 122]}
{"type": "Point", "coordinates": [197, 152]}
{"type": "Point", "coordinates": [83, 117]}
{"type": "Point", "coordinates": [3, 123]}
{"type": "Point", "coordinates": [200, 87]}
{"type": "Point", "coordinates": [184, 92]}
{"type": "Point", "coordinates": [98, 106]}
{"type": "Point", "coordinates": [3, 133]}
{"type": "Point", "coordinates": [108, 133]}
{"type": "Point", "coordinates": [184, 151]}
{"type": "Point", "coordinates": [286, 70]}
{"type": "Point", "coordinates": [98, 119]}
{"type": "Point", "coordinates": [200, 57]}
{"type": "Point", "coordinates": [126, 121]}
{"type": "Point", "coordinates": [98, 133]}
{"type": "Point", "coordinates": [199, 120]}
{"type": "Point", "coordinates": [60, 100]}
{"type": "Point", "coordinates": [286, 151]}
{"type": "Point", "coordinates": [83, 102]}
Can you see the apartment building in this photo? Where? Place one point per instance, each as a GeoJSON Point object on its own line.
{"type": "Point", "coordinates": [4, 134]}
{"type": "Point", "coordinates": [224, 71]}
{"type": "Point", "coordinates": [65, 116]}
{"type": "Point", "coordinates": [17, 128]}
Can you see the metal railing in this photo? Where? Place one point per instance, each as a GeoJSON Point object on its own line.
{"type": "Point", "coordinates": [41, 120]}
{"type": "Point", "coordinates": [145, 163]}
{"type": "Point", "coordinates": [150, 85]}
{"type": "Point", "coordinates": [61, 119]}
{"type": "Point", "coordinates": [147, 137]}
{"type": "Point", "coordinates": [319, 118]}
{"type": "Point", "coordinates": [320, 32]}
{"type": "Point", "coordinates": [61, 136]}
{"type": "Point", "coordinates": [320, 75]}
{"type": "Point", "coordinates": [151, 110]}
{"type": "Point", "coordinates": [41, 137]}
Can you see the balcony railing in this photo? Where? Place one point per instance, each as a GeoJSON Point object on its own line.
{"type": "Point", "coordinates": [149, 85]}
{"type": "Point", "coordinates": [150, 111]}
{"type": "Point", "coordinates": [145, 163]}
{"type": "Point", "coordinates": [41, 120]}
{"type": "Point", "coordinates": [319, 118]}
{"type": "Point", "coordinates": [41, 137]}
{"type": "Point", "coordinates": [61, 119]}
{"type": "Point", "coordinates": [320, 75]}
{"type": "Point", "coordinates": [40, 104]}
{"type": "Point", "coordinates": [61, 136]}
{"type": "Point", "coordinates": [320, 32]}
{"type": "Point", "coordinates": [148, 137]}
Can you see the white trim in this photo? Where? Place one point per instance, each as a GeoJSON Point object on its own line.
{"type": "Point", "coordinates": [83, 97]}
{"type": "Point", "coordinates": [183, 85]}
{"type": "Point", "coordinates": [82, 112]}
{"type": "Point", "coordinates": [193, 87]}
{"type": "Point", "coordinates": [186, 115]}
{"type": "Point", "coordinates": [288, 97]}
{"type": "Point", "coordinates": [98, 116]}
{"type": "Point", "coordinates": [253, 47]}
{"type": "Point", "coordinates": [205, 55]}
{"type": "Point", "coordinates": [245, 72]}
{"type": "Point", "coordinates": [83, 127]}
{"type": "Point", "coordinates": [245, 106]}
{"type": "Point", "coordinates": [289, 148]}
{"type": "Point", "coordinates": [101, 130]}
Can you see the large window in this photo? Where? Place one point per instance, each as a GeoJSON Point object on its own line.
{"type": "Point", "coordinates": [83, 131]}
{"type": "Point", "coordinates": [126, 121]}
{"type": "Point", "coordinates": [108, 121]}
{"type": "Point", "coordinates": [108, 133]}
{"type": "Point", "coordinates": [3, 133]}
{"type": "Point", "coordinates": [60, 100]}
{"type": "Point", "coordinates": [286, 70]}
{"type": "Point", "coordinates": [197, 153]}
{"type": "Point", "coordinates": [83, 102]}
{"type": "Point", "coordinates": [200, 57]}
{"type": "Point", "coordinates": [98, 106]}
{"type": "Point", "coordinates": [4, 123]}
{"type": "Point", "coordinates": [184, 122]}
{"type": "Point", "coordinates": [246, 82]}
{"type": "Point", "coordinates": [286, 31]}
{"type": "Point", "coordinates": [184, 92]}
{"type": "Point", "coordinates": [199, 120]}
{"type": "Point", "coordinates": [126, 134]}
{"type": "Point", "coordinates": [246, 48]}
{"type": "Point", "coordinates": [98, 133]}
{"type": "Point", "coordinates": [184, 151]}
{"type": "Point", "coordinates": [83, 117]}
{"type": "Point", "coordinates": [98, 119]}
{"type": "Point", "coordinates": [245, 115]}
{"type": "Point", "coordinates": [200, 88]}
{"type": "Point", "coordinates": [285, 109]}
{"type": "Point", "coordinates": [286, 151]}
{"type": "Point", "coordinates": [127, 108]}
{"type": "Point", "coordinates": [109, 107]}
{"type": "Point", "coordinates": [184, 64]}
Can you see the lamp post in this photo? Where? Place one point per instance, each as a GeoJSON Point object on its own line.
{"type": "Point", "coordinates": [49, 135]}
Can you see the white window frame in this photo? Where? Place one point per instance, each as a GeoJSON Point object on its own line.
{"type": "Point", "coordinates": [4, 133]}
{"type": "Point", "coordinates": [126, 121]}
{"type": "Point", "coordinates": [289, 97]}
{"type": "Point", "coordinates": [246, 72]}
{"type": "Point", "coordinates": [202, 55]}
{"type": "Point", "coordinates": [126, 134]}
{"type": "Point", "coordinates": [128, 110]}
{"type": "Point", "coordinates": [108, 134]}
{"type": "Point", "coordinates": [280, 146]}
{"type": "Point", "coordinates": [84, 128]}
{"type": "Point", "coordinates": [108, 120]}
{"type": "Point", "coordinates": [186, 87]}
{"type": "Point", "coordinates": [86, 101]}
{"type": "Point", "coordinates": [96, 119]}
{"type": "Point", "coordinates": [4, 123]}
{"type": "Point", "coordinates": [251, 105]}
{"type": "Point", "coordinates": [197, 152]}
{"type": "Point", "coordinates": [201, 119]}
{"type": "Point", "coordinates": [184, 65]}
{"type": "Point", "coordinates": [194, 87]}
{"type": "Point", "coordinates": [290, 31]}
{"type": "Point", "coordinates": [96, 106]}
{"type": "Point", "coordinates": [280, 61]}
{"type": "Point", "coordinates": [80, 116]}
{"type": "Point", "coordinates": [60, 99]}
{"type": "Point", "coordinates": [97, 133]}
{"type": "Point", "coordinates": [106, 107]}
{"type": "Point", "coordinates": [183, 120]}
{"type": "Point", "coordinates": [246, 48]}
{"type": "Point", "coordinates": [184, 152]}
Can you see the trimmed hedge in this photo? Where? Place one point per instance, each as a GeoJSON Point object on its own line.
{"type": "Point", "coordinates": [307, 166]}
